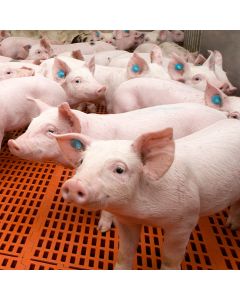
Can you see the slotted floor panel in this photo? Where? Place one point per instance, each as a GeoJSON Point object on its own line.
{"type": "Point", "coordinates": [40, 231]}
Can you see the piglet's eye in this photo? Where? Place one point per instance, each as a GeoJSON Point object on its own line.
{"type": "Point", "coordinates": [119, 170]}
{"type": "Point", "coordinates": [77, 81]}
{"type": "Point", "coordinates": [51, 130]}
{"type": "Point", "coordinates": [9, 72]}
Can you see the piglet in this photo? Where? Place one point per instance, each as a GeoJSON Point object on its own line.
{"type": "Point", "coordinates": [14, 69]}
{"type": "Point", "coordinates": [141, 92]}
{"type": "Point", "coordinates": [157, 181]}
{"type": "Point", "coordinates": [16, 47]}
{"type": "Point", "coordinates": [37, 143]}
{"type": "Point", "coordinates": [198, 75]}
{"type": "Point", "coordinates": [17, 111]}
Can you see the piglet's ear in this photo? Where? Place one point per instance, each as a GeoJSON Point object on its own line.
{"type": "Point", "coordinates": [27, 47]}
{"type": "Point", "coordinates": [72, 146]}
{"type": "Point", "coordinates": [163, 34]}
{"type": "Point", "coordinates": [4, 34]}
{"type": "Point", "coordinates": [156, 55]}
{"type": "Point", "coordinates": [156, 150]}
{"type": "Point", "coordinates": [60, 70]}
{"type": "Point", "coordinates": [200, 59]}
{"type": "Point", "coordinates": [136, 67]}
{"type": "Point", "coordinates": [29, 71]}
{"type": "Point", "coordinates": [210, 62]}
{"type": "Point", "coordinates": [214, 97]}
{"type": "Point", "coordinates": [41, 106]}
{"type": "Point", "coordinates": [44, 42]}
{"type": "Point", "coordinates": [68, 115]}
{"type": "Point", "coordinates": [177, 67]}
{"type": "Point", "coordinates": [77, 54]}
{"type": "Point", "coordinates": [91, 65]}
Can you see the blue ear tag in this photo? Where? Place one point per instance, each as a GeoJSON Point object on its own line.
{"type": "Point", "coordinates": [136, 68]}
{"type": "Point", "coordinates": [216, 99]}
{"type": "Point", "coordinates": [179, 67]}
{"type": "Point", "coordinates": [61, 73]}
{"type": "Point", "coordinates": [97, 34]}
{"type": "Point", "coordinates": [76, 144]}
{"type": "Point", "coordinates": [126, 31]}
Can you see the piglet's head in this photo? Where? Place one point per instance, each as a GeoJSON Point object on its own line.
{"type": "Point", "coordinates": [156, 151]}
{"type": "Point", "coordinates": [110, 172]}
{"type": "Point", "coordinates": [41, 51]}
{"type": "Point", "coordinates": [78, 83]}
{"type": "Point", "coordinates": [37, 142]}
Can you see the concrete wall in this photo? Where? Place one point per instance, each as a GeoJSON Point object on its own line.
{"type": "Point", "coordinates": [228, 43]}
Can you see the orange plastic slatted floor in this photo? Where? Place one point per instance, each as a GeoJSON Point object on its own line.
{"type": "Point", "coordinates": [39, 230]}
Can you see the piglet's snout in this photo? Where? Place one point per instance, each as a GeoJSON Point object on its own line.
{"type": "Point", "coordinates": [13, 146]}
{"type": "Point", "coordinates": [73, 190]}
{"type": "Point", "coordinates": [225, 87]}
{"type": "Point", "coordinates": [101, 91]}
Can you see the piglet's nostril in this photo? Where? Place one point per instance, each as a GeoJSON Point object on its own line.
{"type": "Point", "coordinates": [81, 194]}
{"type": "Point", "coordinates": [66, 190]}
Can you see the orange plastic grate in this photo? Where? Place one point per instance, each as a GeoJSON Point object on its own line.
{"type": "Point", "coordinates": [40, 231]}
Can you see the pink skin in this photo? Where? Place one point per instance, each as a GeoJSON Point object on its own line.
{"type": "Point", "coordinates": [41, 51]}
{"type": "Point", "coordinates": [79, 83]}
{"type": "Point", "coordinates": [16, 47]}
{"type": "Point", "coordinates": [145, 48]}
{"type": "Point", "coordinates": [159, 36]}
{"type": "Point", "coordinates": [126, 41]}
{"type": "Point", "coordinates": [101, 58]}
{"type": "Point", "coordinates": [5, 59]}
{"type": "Point", "coordinates": [37, 143]}
{"type": "Point", "coordinates": [199, 60]}
{"type": "Point", "coordinates": [17, 111]}
{"type": "Point", "coordinates": [152, 37]}
{"type": "Point", "coordinates": [105, 57]}
{"type": "Point", "coordinates": [157, 181]}
{"type": "Point", "coordinates": [112, 77]}
{"type": "Point", "coordinates": [142, 92]}
{"type": "Point", "coordinates": [196, 76]}
{"type": "Point", "coordinates": [165, 36]}
{"type": "Point", "coordinates": [95, 35]}
{"type": "Point", "coordinates": [221, 74]}
{"type": "Point", "coordinates": [46, 66]}
{"type": "Point", "coordinates": [166, 48]}
{"type": "Point", "coordinates": [18, 65]}
{"type": "Point", "coordinates": [44, 50]}
{"type": "Point", "coordinates": [4, 34]}
{"type": "Point", "coordinates": [177, 36]}
{"type": "Point", "coordinates": [8, 72]}
{"type": "Point", "coordinates": [155, 56]}
{"type": "Point", "coordinates": [86, 48]}
{"type": "Point", "coordinates": [100, 46]}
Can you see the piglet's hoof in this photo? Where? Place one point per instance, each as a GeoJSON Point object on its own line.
{"type": "Point", "coordinates": [104, 225]}
{"type": "Point", "coordinates": [233, 224]}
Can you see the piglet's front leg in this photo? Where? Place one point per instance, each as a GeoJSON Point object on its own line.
{"type": "Point", "coordinates": [105, 221]}
{"type": "Point", "coordinates": [128, 242]}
